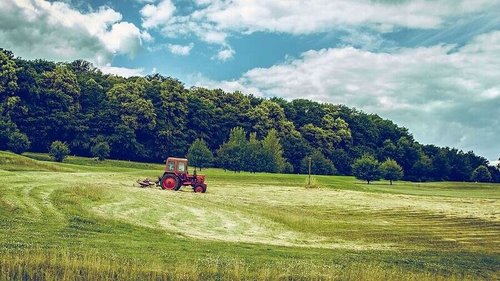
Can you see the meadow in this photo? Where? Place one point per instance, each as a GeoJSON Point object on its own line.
{"type": "Point", "coordinates": [88, 220]}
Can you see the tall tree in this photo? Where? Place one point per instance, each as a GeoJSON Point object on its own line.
{"type": "Point", "coordinates": [422, 169]}
{"type": "Point", "coordinates": [272, 153]}
{"type": "Point", "coordinates": [253, 160]}
{"type": "Point", "coordinates": [199, 155]}
{"type": "Point", "coordinates": [266, 116]}
{"type": "Point", "coordinates": [231, 154]}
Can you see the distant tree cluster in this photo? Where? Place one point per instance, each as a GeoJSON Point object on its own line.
{"type": "Point", "coordinates": [240, 153]}
{"type": "Point", "coordinates": [370, 169]}
{"type": "Point", "coordinates": [152, 117]}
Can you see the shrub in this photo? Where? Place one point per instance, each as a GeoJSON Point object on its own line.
{"type": "Point", "coordinates": [59, 150]}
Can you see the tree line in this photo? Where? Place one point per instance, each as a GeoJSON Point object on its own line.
{"type": "Point", "coordinates": [152, 117]}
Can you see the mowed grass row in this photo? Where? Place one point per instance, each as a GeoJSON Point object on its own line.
{"type": "Point", "coordinates": [86, 219]}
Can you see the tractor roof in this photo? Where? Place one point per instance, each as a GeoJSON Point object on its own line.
{"type": "Point", "coordinates": [176, 159]}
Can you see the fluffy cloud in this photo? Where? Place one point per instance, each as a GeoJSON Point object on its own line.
{"type": "Point", "coordinates": [180, 50]}
{"type": "Point", "coordinates": [303, 16]}
{"type": "Point", "coordinates": [56, 31]}
{"type": "Point", "coordinates": [445, 95]}
{"type": "Point", "coordinates": [213, 21]}
{"type": "Point", "coordinates": [154, 15]}
{"type": "Point", "coordinates": [225, 54]}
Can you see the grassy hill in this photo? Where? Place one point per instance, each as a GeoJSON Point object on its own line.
{"type": "Point", "coordinates": [87, 219]}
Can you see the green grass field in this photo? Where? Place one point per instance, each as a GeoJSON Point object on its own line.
{"type": "Point", "coordinates": [88, 220]}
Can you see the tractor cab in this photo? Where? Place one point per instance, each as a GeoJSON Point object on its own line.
{"type": "Point", "coordinates": [176, 165]}
{"type": "Point", "coordinates": [176, 175]}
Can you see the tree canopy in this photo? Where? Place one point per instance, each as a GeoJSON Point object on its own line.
{"type": "Point", "coordinates": [199, 155]}
{"type": "Point", "coordinates": [150, 118]}
{"type": "Point", "coordinates": [367, 168]}
{"type": "Point", "coordinates": [391, 170]}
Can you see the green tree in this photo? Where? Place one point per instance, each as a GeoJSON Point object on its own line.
{"type": "Point", "coordinates": [407, 154]}
{"type": "Point", "coordinates": [8, 78]}
{"type": "Point", "coordinates": [320, 165]}
{"type": "Point", "coordinates": [101, 150]}
{"type": "Point", "coordinates": [295, 147]}
{"type": "Point", "coordinates": [367, 168]}
{"type": "Point", "coordinates": [135, 110]}
{"type": "Point", "coordinates": [481, 174]}
{"type": "Point", "coordinates": [422, 169]}
{"type": "Point", "coordinates": [59, 150]}
{"type": "Point", "coordinates": [231, 154]}
{"type": "Point", "coordinates": [199, 155]}
{"type": "Point", "coordinates": [391, 170]}
{"type": "Point", "coordinates": [272, 152]}
{"type": "Point", "coordinates": [171, 104]}
{"type": "Point", "coordinates": [18, 142]}
{"type": "Point", "coordinates": [388, 150]}
{"type": "Point", "coordinates": [266, 116]}
{"type": "Point", "coordinates": [254, 155]}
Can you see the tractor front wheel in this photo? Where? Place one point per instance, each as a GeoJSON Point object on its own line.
{"type": "Point", "coordinates": [170, 182]}
{"type": "Point", "coordinates": [200, 188]}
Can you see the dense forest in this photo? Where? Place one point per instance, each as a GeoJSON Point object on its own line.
{"type": "Point", "coordinates": [149, 118]}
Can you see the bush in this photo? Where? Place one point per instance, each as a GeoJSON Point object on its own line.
{"type": "Point", "coordinates": [101, 150]}
{"type": "Point", "coordinates": [18, 142]}
{"type": "Point", "coordinates": [59, 150]}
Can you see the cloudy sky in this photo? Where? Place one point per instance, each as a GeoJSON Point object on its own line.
{"type": "Point", "coordinates": [431, 66]}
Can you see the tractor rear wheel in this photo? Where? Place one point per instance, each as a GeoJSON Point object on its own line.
{"type": "Point", "coordinates": [170, 182]}
{"type": "Point", "coordinates": [200, 188]}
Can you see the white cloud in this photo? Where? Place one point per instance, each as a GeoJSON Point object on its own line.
{"type": "Point", "coordinates": [122, 38]}
{"type": "Point", "coordinates": [443, 97]}
{"type": "Point", "coordinates": [154, 15]}
{"type": "Point", "coordinates": [56, 31]}
{"type": "Point", "coordinates": [309, 16]}
{"type": "Point", "coordinates": [181, 50]}
{"type": "Point", "coordinates": [122, 71]}
{"type": "Point", "coordinates": [215, 20]}
{"type": "Point", "coordinates": [225, 54]}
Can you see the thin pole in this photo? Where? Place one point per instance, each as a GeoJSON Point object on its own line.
{"type": "Point", "coordinates": [309, 170]}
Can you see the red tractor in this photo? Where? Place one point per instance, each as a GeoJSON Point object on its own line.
{"type": "Point", "coordinates": [176, 175]}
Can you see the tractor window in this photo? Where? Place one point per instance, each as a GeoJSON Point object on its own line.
{"type": "Point", "coordinates": [182, 167]}
{"type": "Point", "coordinates": [170, 166]}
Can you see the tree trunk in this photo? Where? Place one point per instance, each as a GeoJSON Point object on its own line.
{"type": "Point", "coordinates": [390, 181]}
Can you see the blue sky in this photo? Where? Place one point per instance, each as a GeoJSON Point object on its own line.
{"type": "Point", "coordinates": [431, 66]}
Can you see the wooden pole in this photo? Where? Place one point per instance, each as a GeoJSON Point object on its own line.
{"type": "Point", "coordinates": [309, 170]}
